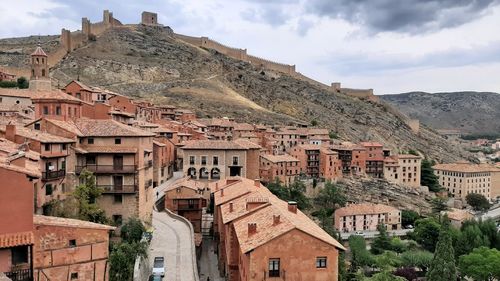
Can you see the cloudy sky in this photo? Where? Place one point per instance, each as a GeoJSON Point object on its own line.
{"type": "Point", "coordinates": [390, 45]}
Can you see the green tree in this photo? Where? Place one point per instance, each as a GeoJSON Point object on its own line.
{"type": "Point", "coordinates": [443, 264]}
{"type": "Point", "coordinates": [132, 230]}
{"type": "Point", "coordinates": [427, 176]}
{"type": "Point", "coordinates": [294, 192]}
{"type": "Point", "coordinates": [419, 259]}
{"type": "Point", "coordinates": [122, 259]}
{"type": "Point", "coordinates": [469, 238]}
{"type": "Point", "coordinates": [22, 83]}
{"type": "Point", "coordinates": [384, 276]}
{"type": "Point", "coordinates": [426, 233]}
{"type": "Point", "coordinates": [398, 245]}
{"type": "Point", "coordinates": [482, 264]}
{"type": "Point", "coordinates": [477, 201]}
{"type": "Point", "coordinates": [360, 257]}
{"type": "Point", "coordinates": [438, 205]}
{"type": "Point", "coordinates": [314, 123]}
{"type": "Point", "coordinates": [382, 242]}
{"type": "Point", "coordinates": [86, 195]}
{"type": "Point", "coordinates": [333, 135]}
{"type": "Point", "coordinates": [387, 261]}
{"type": "Point", "coordinates": [331, 197]}
{"type": "Point", "coordinates": [408, 217]}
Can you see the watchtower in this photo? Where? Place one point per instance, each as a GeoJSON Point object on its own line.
{"type": "Point", "coordinates": [39, 70]}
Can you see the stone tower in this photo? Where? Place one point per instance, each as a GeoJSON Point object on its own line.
{"type": "Point", "coordinates": [39, 70]}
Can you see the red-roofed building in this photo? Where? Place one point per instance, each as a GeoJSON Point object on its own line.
{"type": "Point", "coordinates": [366, 217]}
{"type": "Point", "coordinates": [282, 167]}
{"type": "Point", "coordinates": [374, 159]}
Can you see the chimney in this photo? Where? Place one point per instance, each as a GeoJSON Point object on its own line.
{"type": "Point", "coordinates": [252, 228]}
{"type": "Point", "coordinates": [276, 219]}
{"type": "Point", "coordinates": [256, 182]}
{"type": "Point", "coordinates": [231, 207]}
{"type": "Point", "coordinates": [292, 206]}
{"type": "Point", "coordinates": [10, 132]}
{"type": "Point", "coordinates": [222, 193]}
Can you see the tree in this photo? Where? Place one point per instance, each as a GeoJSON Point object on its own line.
{"type": "Point", "coordinates": [294, 192]}
{"type": "Point", "coordinates": [408, 217]}
{"type": "Point", "coordinates": [331, 197]}
{"type": "Point", "coordinates": [426, 233]}
{"type": "Point", "coordinates": [22, 83]}
{"type": "Point", "coordinates": [477, 201]}
{"type": "Point", "coordinates": [122, 259]}
{"type": "Point", "coordinates": [86, 195]}
{"type": "Point", "coordinates": [384, 276]}
{"type": "Point", "coordinates": [333, 135]}
{"type": "Point", "coordinates": [419, 259]}
{"type": "Point", "coordinates": [314, 123]}
{"type": "Point", "coordinates": [438, 205]}
{"type": "Point", "coordinates": [387, 261]}
{"type": "Point", "coordinates": [132, 230]}
{"type": "Point", "coordinates": [443, 264]}
{"type": "Point", "coordinates": [398, 245]}
{"type": "Point", "coordinates": [482, 264]}
{"type": "Point", "coordinates": [427, 176]}
{"type": "Point", "coordinates": [359, 255]}
{"type": "Point", "coordinates": [469, 238]}
{"type": "Point", "coordinates": [382, 242]}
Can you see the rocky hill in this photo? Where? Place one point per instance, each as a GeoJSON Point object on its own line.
{"type": "Point", "coordinates": [145, 62]}
{"type": "Point", "coordinates": [470, 112]}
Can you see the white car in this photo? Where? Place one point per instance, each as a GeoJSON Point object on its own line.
{"type": "Point", "coordinates": [159, 266]}
{"type": "Point", "coordinates": [360, 233]}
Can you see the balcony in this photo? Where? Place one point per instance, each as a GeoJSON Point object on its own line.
{"type": "Point", "coordinates": [150, 163]}
{"type": "Point", "coordinates": [20, 275]}
{"type": "Point", "coordinates": [52, 175]}
{"type": "Point", "coordinates": [118, 189]}
{"type": "Point", "coordinates": [188, 207]}
{"type": "Point", "coordinates": [107, 169]}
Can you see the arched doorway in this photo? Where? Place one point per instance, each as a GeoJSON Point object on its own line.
{"type": "Point", "coordinates": [192, 172]}
{"type": "Point", "coordinates": [215, 174]}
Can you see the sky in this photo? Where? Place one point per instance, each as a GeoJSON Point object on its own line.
{"type": "Point", "coordinates": [392, 46]}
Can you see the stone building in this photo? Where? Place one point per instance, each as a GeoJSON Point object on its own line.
{"type": "Point", "coordinates": [149, 18]}
{"type": "Point", "coordinates": [352, 158]}
{"type": "Point", "coordinates": [463, 178]}
{"type": "Point", "coordinates": [366, 217]}
{"type": "Point", "coordinates": [69, 249]}
{"type": "Point", "coordinates": [282, 167]}
{"type": "Point", "coordinates": [258, 236]}
{"type": "Point", "coordinates": [213, 160]}
{"type": "Point", "coordinates": [374, 159]}
{"type": "Point", "coordinates": [403, 169]}
{"type": "Point", "coordinates": [185, 198]}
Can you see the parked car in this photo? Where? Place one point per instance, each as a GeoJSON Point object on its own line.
{"type": "Point", "coordinates": [159, 266]}
{"type": "Point", "coordinates": [409, 226]}
{"type": "Point", "coordinates": [155, 278]}
{"type": "Point", "coordinates": [360, 233]}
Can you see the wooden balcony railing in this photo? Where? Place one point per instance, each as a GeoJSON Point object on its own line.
{"type": "Point", "coordinates": [106, 169]}
{"type": "Point", "coordinates": [51, 175]}
{"type": "Point", "coordinates": [20, 275]}
{"type": "Point", "coordinates": [119, 189]}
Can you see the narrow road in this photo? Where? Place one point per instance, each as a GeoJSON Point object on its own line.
{"type": "Point", "coordinates": [373, 234]}
{"type": "Point", "coordinates": [172, 240]}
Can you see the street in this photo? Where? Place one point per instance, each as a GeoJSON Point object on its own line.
{"type": "Point", "coordinates": [373, 234]}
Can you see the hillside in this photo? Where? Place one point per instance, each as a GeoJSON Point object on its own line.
{"type": "Point", "coordinates": [470, 112]}
{"type": "Point", "coordinates": [145, 62]}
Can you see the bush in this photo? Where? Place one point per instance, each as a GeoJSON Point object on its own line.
{"type": "Point", "coordinates": [408, 273]}
{"type": "Point", "coordinates": [8, 84]}
{"type": "Point", "coordinates": [22, 83]}
{"type": "Point", "coordinates": [122, 259]}
{"type": "Point", "coordinates": [408, 217]}
{"type": "Point", "coordinates": [132, 230]}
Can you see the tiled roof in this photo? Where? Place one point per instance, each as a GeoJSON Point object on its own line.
{"type": "Point", "coordinates": [239, 187]}
{"type": "Point", "coordinates": [53, 95]}
{"type": "Point", "coordinates": [108, 149]}
{"type": "Point", "coordinates": [186, 182]}
{"type": "Point", "coordinates": [158, 143]}
{"type": "Point", "coordinates": [243, 127]}
{"type": "Point", "coordinates": [408, 156]}
{"type": "Point", "coordinates": [108, 128]}
{"type": "Point", "coordinates": [240, 204]}
{"type": "Point", "coordinates": [68, 126]}
{"type": "Point", "coordinates": [20, 93]}
{"type": "Point", "coordinates": [64, 222]}
{"type": "Point", "coordinates": [239, 144]}
{"type": "Point", "coordinates": [317, 131]}
{"type": "Point", "coordinates": [10, 147]}
{"type": "Point", "coordinates": [466, 167]}
{"type": "Point", "coordinates": [16, 239]}
{"type": "Point", "coordinates": [217, 122]}
{"type": "Point", "coordinates": [279, 158]}
{"type": "Point", "coordinates": [39, 52]}
{"type": "Point", "coordinates": [83, 86]}
{"type": "Point", "coordinates": [309, 146]}
{"type": "Point", "coordinates": [30, 168]}
{"type": "Point", "coordinates": [37, 135]}
{"type": "Point", "coordinates": [364, 209]}
{"type": "Point", "coordinates": [371, 144]}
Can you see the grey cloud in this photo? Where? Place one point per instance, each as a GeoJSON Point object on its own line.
{"type": "Point", "coordinates": [273, 16]}
{"type": "Point", "coordinates": [408, 16]}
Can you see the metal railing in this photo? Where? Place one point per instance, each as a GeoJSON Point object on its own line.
{"type": "Point", "coordinates": [20, 275]}
{"type": "Point", "coordinates": [118, 189]}
{"type": "Point", "coordinates": [53, 174]}
{"type": "Point", "coordinates": [107, 168]}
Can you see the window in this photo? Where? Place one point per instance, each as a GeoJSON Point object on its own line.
{"type": "Point", "coordinates": [19, 255]}
{"type": "Point", "coordinates": [78, 96]}
{"type": "Point", "coordinates": [235, 160]}
{"type": "Point", "coordinates": [63, 146]}
{"type": "Point", "coordinates": [74, 275]}
{"type": "Point", "coordinates": [90, 159]}
{"type": "Point", "coordinates": [37, 126]}
{"type": "Point", "coordinates": [45, 110]}
{"type": "Point", "coordinates": [48, 189]}
{"type": "Point", "coordinates": [215, 160]}
{"type": "Point", "coordinates": [90, 141]}
{"type": "Point", "coordinates": [43, 72]}
{"type": "Point", "coordinates": [203, 160]}
{"type": "Point", "coordinates": [191, 160]}
{"type": "Point", "coordinates": [118, 141]}
{"type": "Point", "coordinates": [118, 198]}
{"type": "Point", "coordinates": [321, 262]}
{"type": "Point", "coordinates": [58, 110]}
{"type": "Point", "coordinates": [117, 219]}
{"type": "Point", "coordinates": [72, 243]}
{"type": "Point", "coordinates": [274, 267]}
{"type": "Point", "coordinates": [47, 147]}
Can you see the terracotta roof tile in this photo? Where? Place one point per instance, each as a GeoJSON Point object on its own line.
{"type": "Point", "coordinates": [20, 93]}
{"type": "Point", "coordinates": [108, 128]}
{"type": "Point", "coordinates": [279, 158]}
{"type": "Point", "coordinates": [364, 208]}
{"type": "Point", "coordinates": [239, 144]}
{"type": "Point", "coordinates": [466, 167]}
{"type": "Point", "coordinates": [65, 222]}
{"type": "Point", "coordinates": [107, 149]}
{"type": "Point", "coordinates": [16, 239]}
{"type": "Point", "coordinates": [39, 52]}
{"type": "Point", "coordinates": [38, 135]}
